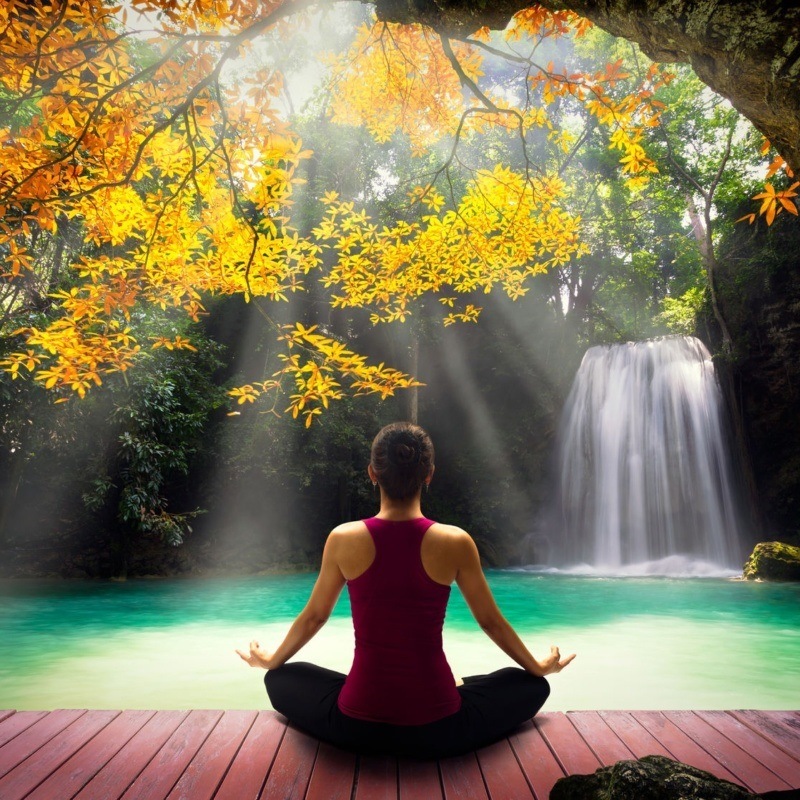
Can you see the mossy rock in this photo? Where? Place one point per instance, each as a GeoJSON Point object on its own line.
{"type": "Point", "coordinates": [649, 778]}
{"type": "Point", "coordinates": [773, 561]}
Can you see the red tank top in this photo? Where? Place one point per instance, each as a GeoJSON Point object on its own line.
{"type": "Point", "coordinates": [400, 674]}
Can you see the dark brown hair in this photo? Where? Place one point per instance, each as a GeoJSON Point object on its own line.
{"type": "Point", "coordinates": [402, 458]}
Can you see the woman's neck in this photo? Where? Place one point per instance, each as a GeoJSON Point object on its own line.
{"type": "Point", "coordinates": [399, 510]}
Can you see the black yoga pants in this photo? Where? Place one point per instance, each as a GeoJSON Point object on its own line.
{"type": "Point", "coordinates": [491, 706]}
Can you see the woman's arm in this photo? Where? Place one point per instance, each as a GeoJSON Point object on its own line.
{"type": "Point", "coordinates": [476, 591]}
{"type": "Point", "coordinates": [323, 598]}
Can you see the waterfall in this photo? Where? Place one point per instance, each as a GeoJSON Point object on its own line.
{"type": "Point", "coordinates": [644, 470]}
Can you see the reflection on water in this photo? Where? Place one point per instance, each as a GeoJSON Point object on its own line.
{"type": "Point", "coordinates": [641, 642]}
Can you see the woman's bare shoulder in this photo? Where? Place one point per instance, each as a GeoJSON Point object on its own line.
{"type": "Point", "coordinates": [447, 530]}
{"type": "Point", "coordinates": [449, 535]}
{"type": "Point", "coordinates": [348, 530]}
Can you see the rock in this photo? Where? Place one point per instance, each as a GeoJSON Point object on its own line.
{"type": "Point", "coordinates": [773, 561]}
{"type": "Point", "coordinates": [649, 778]}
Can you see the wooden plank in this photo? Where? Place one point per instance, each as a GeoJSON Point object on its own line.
{"type": "Point", "coordinates": [780, 727]}
{"type": "Point", "coordinates": [13, 726]}
{"type": "Point", "coordinates": [748, 770]}
{"type": "Point", "coordinates": [462, 779]}
{"type": "Point", "coordinates": [206, 770]}
{"type": "Point", "coordinates": [376, 778]}
{"type": "Point", "coordinates": [34, 737]}
{"type": "Point", "coordinates": [247, 774]}
{"type": "Point", "coordinates": [334, 774]}
{"type": "Point", "coordinates": [6, 713]}
{"type": "Point", "coordinates": [635, 737]}
{"type": "Point", "coordinates": [78, 770]}
{"type": "Point", "coordinates": [27, 775]}
{"type": "Point", "coordinates": [418, 780]}
{"type": "Point", "coordinates": [121, 770]}
{"type": "Point", "coordinates": [680, 745]}
{"type": "Point", "coordinates": [783, 765]}
{"type": "Point", "coordinates": [604, 743]}
{"type": "Point", "coordinates": [536, 760]}
{"type": "Point", "coordinates": [574, 755]}
{"type": "Point", "coordinates": [164, 770]}
{"type": "Point", "coordinates": [292, 767]}
{"type": "Point", "coordinates": [502, 773]}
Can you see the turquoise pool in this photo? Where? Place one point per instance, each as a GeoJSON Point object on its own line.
{"type": "Point", "coordinates": [642, 643]}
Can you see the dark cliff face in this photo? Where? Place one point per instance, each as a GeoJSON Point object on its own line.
{"type": "Point", "coordinates": [761, 301]}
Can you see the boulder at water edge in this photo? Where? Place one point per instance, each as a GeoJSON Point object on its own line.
{"type": "Point", "coordinates": [773, 561]}
{"type": "Point", "coordinates": [649, 778]}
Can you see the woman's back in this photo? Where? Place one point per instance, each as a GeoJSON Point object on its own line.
{"type": "Point", "coordinates": [400, 674]}
{"type": "Point", "coordinates": [354, 550]}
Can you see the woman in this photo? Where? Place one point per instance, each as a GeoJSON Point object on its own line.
{"type": "Point", "coordinates": [400, 696]}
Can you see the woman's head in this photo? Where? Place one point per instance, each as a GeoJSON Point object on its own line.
{"type": "Point", "coordinates": [402, 459]}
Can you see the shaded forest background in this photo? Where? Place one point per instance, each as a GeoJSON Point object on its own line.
{"type": "Point", "coordinates": [156, 472]}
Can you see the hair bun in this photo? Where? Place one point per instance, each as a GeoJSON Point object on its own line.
{"type": "Point", "coordinates": [404, 453]}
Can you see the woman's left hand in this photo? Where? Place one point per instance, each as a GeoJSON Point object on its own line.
{"type": "Point", "coordinates": [257, 657]}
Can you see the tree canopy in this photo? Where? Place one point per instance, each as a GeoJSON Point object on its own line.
{"type": "Point", "coordinates": [139, 171]}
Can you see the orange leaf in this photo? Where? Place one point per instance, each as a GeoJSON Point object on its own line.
{"type": "Point", "coordinates": [771, 212]}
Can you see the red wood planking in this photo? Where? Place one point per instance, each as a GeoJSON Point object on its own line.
{"type": "Point", "coordinates": [502, 773]}
{"type": "Point", "coordinates": [376, 778]}
{"type": "Point", "coordinates": [636, 738]}
{"type": "Point", "coordinates": [246, 776]}
{"type": "Point", "coordinates": [148, 755]}
{"type": "Point", "coordinates": [292, 767]}
{"type": "Point", "coordinates": [680, 745]}
{"type": "Point", "coordinates": [5, 713]}
{"type": "Point", "coordinates": [536, 759]}
{"type": "Point", "coordinates": [605, 744]}
{"type": "Point", "coordinates": [120, 771]}
{"type": "Point", "coordinates": [572, 752]}
{"type": "Point", "coordinates": [747, 769]}
{"type": "Point", "coordinates": [27, 775]}
{"type": "Point", "coordinates": [34, 737]}
{"type": "Point", "coordinates": [462, 779]}
{"type": "Point", "coordinates": [777, 726]}
{"type": "Point", "coordinates": [768, 754]}
{"type": "Point", "coordinates": [168, 763]}
{"type": "Point", "coordinates": [206, 770]}
{"type": "Point", "coordinates": [14, 725]}
{"type": "Point", "coordinates": [78, 770]}
{"type": "Point", "coordinates": [418, 780]}
{"type": "Point", "coordinates": [333, 775]}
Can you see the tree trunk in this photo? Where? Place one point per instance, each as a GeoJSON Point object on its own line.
{"type": "Point", "coordinates": [702, 234]}
{"type": "Point", "coordinates": [746, 50]}
{"type": "Point", "coordinates": [725, 371]}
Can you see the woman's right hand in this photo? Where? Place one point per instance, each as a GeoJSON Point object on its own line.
{"type": "Point", "coordinates": [554, 663]}
{"type": "Point", "coordinates": [257, 657]}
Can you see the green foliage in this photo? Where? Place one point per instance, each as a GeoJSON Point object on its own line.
{"type": "Point", "coordinates": [680, 314]}
{"type": "Point", "coordinates": [161, 416]}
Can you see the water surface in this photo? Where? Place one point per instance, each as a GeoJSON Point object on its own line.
{"type": "Point", "coordinates": [642, 643]}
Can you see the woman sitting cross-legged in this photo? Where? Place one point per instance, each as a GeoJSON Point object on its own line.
{"type": "Point", "coordinates": [400, 696]}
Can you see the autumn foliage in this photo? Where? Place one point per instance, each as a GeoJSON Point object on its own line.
{"type": "Point", "coordinates": [181, 184]}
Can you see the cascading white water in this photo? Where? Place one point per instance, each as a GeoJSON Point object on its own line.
{"type": "Point", "coordinates": [644, 469]}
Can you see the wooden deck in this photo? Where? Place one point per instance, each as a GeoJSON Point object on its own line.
{"type": "Point", "coordinates": [237, 755]}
